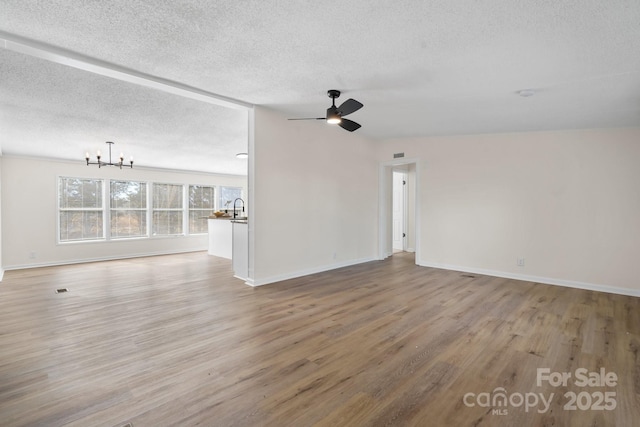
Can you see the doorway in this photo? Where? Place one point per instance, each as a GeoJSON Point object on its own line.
{"type": "Point", "coordinates": [399, 219]}
{"type": "Point", "coordinates": [399, 214]}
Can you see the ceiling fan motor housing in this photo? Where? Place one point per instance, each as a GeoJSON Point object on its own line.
{"type": "Point", "coordinates": [333, 93]}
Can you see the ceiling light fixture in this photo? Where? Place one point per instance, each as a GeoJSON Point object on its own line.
{"type": "Point", "coordinates": [333, 118]}
{"type": "Point", "coordinates": [242, 155]}
{"type": "Point", "coordinates": [100, 163]}
{"type": "Point", "coordinates": [335, 114]}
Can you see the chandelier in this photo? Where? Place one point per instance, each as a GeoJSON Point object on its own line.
{"type": "Point", "coordinates": [101, 163]}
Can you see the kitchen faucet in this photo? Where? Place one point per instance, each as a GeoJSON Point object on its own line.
{"type": "Point", "coordinates": [235, 214]}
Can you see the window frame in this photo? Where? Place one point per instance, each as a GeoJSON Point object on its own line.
{"type": "Point", "coordinates": [147, 218]}
{"type": "Point", "coordinates": [59, 211]}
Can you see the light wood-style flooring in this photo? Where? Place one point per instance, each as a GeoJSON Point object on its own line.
{"type": "Point", "coordinates": [176, 341]}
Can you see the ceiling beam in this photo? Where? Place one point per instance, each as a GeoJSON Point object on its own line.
{"type": "Point", "coordinates": [72, 59]}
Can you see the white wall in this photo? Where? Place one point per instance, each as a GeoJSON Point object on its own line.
{"type": "Point", "coordinates": [567, 202]}
{"type": "Point", "coordinates": [1, 263]}
{"type": "Point", "coordinates": [29, 204]}
{"type": "Point", "coordinates": [314, 198]}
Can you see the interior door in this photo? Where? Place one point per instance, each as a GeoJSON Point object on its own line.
{"type": "Point", "coordinates": [398, 223]}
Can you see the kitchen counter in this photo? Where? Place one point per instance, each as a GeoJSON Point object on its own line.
{"type": "Point", "coordinates": [220, 237]}
{"type": "Point", "coordinates": [229, 238]}
{"type": "Point", "coordinates": [240, 253]}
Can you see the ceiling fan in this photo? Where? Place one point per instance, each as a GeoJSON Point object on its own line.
{"type": "Point", "coordinates": [335, 114]}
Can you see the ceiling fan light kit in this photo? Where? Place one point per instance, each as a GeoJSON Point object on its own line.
{"type": "Point", "coordinates": [335, 114]}
{"type": "Point", "coordinates": [333, 117]}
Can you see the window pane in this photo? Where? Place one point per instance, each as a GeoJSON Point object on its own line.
{"type": "Point", "coordinates": [167, 196]}
{"type": "Point", "coordinates": [80, 193]}
{"type": "Point", "coordinates": [167, 223]}
{"type": "Point", "coordinates": [198, 221]}
{"type": "Point", "coordinates": [128, 209]}
{"type": "Point", "coordinates": [81, 225]}
{"type": "Point", "coordinates": [167, 209]}
{"type": "Point", "coordinates": [227, 196]}
{"type": "Point", "coordinates": [201, 205]}
{"type": "Point", "coordinates": [128, 223]}
{"type": "Point", "coordinates": [128, 195]}
{"type": "Point", "coordinates": [201, 197]}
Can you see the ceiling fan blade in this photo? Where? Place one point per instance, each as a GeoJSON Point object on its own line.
{"type": "Point", "coordinates": [349, 106]}
{"type": "Point", "coordinates": [349, 125]}
{"type": "Point", "coordinates": [311, 118]}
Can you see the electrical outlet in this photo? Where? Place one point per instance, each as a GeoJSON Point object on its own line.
{"type": "Point", "coordinates": [520, 262]}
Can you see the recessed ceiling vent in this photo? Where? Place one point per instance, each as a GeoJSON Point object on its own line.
{"type": "Point", "coordinates": [61, 290]}
{"type": "Point", "coordinates": [526, 93]}
{"type": "Point", "coordinates": [398, 155]}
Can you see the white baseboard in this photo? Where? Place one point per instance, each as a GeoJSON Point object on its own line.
{"type": "Point", "coordinates": [536, 279]}
{"type": "Point", "coordinates": [111, 258]}
{"type": "Point", "coordinates": [306, 272]}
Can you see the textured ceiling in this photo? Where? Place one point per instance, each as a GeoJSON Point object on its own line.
{"type": "Point", "coordinates": [57, 111]}
{"type": "Point", "coordinates": [421, 67]}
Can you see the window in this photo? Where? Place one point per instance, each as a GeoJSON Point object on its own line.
{"type": "Point", "coordinates": [81, 209]}
{"type": "Point", "coordinates": [104, 210]}
{"type": "Point", "coordinates": [227, 196]}
{"type": "Point", "coordinates": [128, 209]}
{"type": "Point", "coordinates": [167, 209]}
{"type": "Point", "coordinates": [201, 205]}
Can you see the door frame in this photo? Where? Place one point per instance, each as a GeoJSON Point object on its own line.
{"type": "Point", "coordinates": [385, 200]}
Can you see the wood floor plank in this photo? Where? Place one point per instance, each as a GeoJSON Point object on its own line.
{"type": "Point", "coordinates": [177, 341]}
